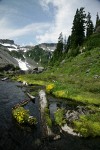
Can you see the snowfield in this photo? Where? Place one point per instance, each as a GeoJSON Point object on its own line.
{"type": "Point", "coordinates": [23, 65]}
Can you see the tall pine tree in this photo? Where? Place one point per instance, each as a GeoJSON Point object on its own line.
{"type": "Point", "coordinates": [89, 26]}
{"type": "Point", "coordinates": [64, 44]}
{"type": "Point", "coordinates": [57, 55]}
{"type": "Point", "coordinates": [97, 21]}
{"type": "Point", "coordinates": [68, 44]}
{"type": "Point", "coordinates": [78, 29]}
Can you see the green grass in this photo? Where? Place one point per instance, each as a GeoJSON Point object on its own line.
{"type": "Point", "coordinates": [78, 78]}
{"type": "Point", "coordinates": [93, 41]}
{"type": "Point", "coordinates": [47, 117]}
{"type": "Point", "coordinates": [59, 117]}
{"type": "Point", "coordinates": [88, 125]}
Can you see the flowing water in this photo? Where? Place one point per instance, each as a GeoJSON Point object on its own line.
{"type": "Point", "coordinates": [15, 137]}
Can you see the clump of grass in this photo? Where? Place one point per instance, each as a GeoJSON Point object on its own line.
{"type": "Point", "coordinates": [93, 108]}
{"type": "Point", "coordinates": [59, 117]}
{"type": "Point", "coordinates": [30, 79]}
{"type": "Point", "coordinates": [47, 117]}
{"type": "Point", "coordinates": [88, 125]}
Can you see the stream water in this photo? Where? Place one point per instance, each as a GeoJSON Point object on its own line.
{"type": "Point", "coordinates": [15, 137]}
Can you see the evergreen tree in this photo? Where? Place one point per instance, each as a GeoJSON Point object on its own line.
{"type": "Point", "coordinates": [57, 55]}
{"type": "Point", "coordinates": [68, 44]}
{"type": "Point", "coordinates": [78, 29]}
{"type": "Point", "coordinates": [64, 44]}
{"type": "Point", "coordinates": [89, 26]}
{"type": "Point", "coordinates": [97, 21]}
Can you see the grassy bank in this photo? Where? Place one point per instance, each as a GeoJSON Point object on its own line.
{"type": "Point", "coordinates": [76, 78]}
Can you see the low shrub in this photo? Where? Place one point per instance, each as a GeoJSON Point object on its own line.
{"type": "Point", "coordinates": [22, 116]}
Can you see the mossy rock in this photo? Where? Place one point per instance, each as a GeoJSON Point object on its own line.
{"type": "Point", "coordinates": [22, 116]}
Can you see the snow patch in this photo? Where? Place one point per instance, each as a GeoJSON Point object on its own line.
{"type": "Point", "coordinates": [13, 49]}
{"type": "Point", "coordinates": [23, 65]}
{"type": "Point", "coordinates": [9, 45]}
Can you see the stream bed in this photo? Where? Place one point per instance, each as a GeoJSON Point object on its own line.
{"type": "Point", "coordinates": [15, 137]}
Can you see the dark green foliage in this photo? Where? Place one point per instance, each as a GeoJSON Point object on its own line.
{"type": "Point", "coordinates": [57, 55]}
{"type": "Point", "coordinates": [64, 44]}
{"type": "Point", "coordinates": [38, 54]}
{"type": "Point", "coordinates": [88, 53]}
{"type": "Point", "coordinates": [73, 53]}
{"type": "Point", "coordinates": [78, 34]}
{"type": "Point", "coordinates": [89, 26]}
{"type": "Point", "coordinates": [17, 54]}
{"type": "Point", "coordinates": [9, 67]}
{"type": "Point", "coordinates": [97, 21]}
{"type": "Point", "coordinates": [68, 44]}
{"type": "Point", "coordinates": [93, 41]}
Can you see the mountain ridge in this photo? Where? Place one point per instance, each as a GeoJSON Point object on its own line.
{"type": "Point", "coordinates": [27, 56]}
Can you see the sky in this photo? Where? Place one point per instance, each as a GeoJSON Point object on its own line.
{"type": "Point", "coordinates": [31, 22]}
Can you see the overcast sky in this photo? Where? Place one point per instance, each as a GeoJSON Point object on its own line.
{"type": "Point", "coordinates": [37, 21]}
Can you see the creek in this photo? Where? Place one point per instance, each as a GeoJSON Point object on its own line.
{"type": "Point", "coordinates": [15, 137]}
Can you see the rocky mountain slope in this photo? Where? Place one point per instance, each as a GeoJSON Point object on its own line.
{"type": "Point", "coordinates": [27, 57]}
{"type": "Point", "coordinates": [6, 58]}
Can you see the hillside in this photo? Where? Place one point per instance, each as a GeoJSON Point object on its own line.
{"type": "Point", "coordinates": [75, 78]}
{"type": "Point", "coordinates": [27, 57]}
{"type": "Point", "coordinates": [38, 55]}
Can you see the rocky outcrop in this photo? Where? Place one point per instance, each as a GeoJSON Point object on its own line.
{"type": "Point", "coordinates": [7, 41]}
{"type": "Point", "coordinates": [6, 58]}
{"type": "Point", "coordinates": [72, 115]}
{"type": "Point", "coordinates": [27, 58]}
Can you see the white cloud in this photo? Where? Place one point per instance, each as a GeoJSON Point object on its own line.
{"type": "Point", "coordinates": [63, 11]}
{"type": "Point", "coordinates": [64, 14]}
{"type": "Point", "coordinates": [7, 30]}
